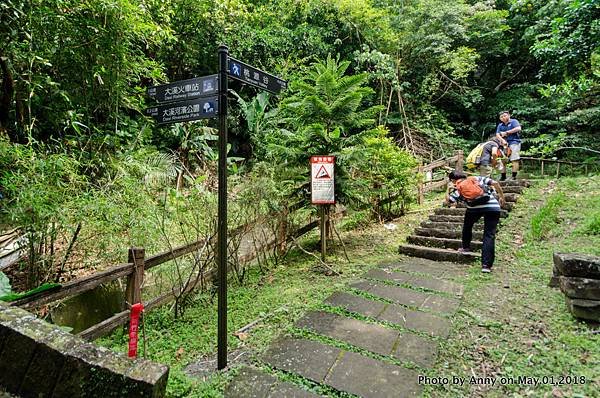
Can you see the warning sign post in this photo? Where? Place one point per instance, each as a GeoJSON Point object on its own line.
{"type": "Point", "coordinates": [322, 179]}
{"type": "Point", "coordinates": [322, 192]}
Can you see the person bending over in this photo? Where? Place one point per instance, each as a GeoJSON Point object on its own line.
{"type": "Point", "coordinates": [478, 194]}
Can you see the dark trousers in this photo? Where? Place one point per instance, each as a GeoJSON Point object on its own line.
{"type": "Point", "coordinates": [490, 223]}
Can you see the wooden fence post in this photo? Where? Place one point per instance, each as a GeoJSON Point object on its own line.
{"type": "Point", "coordinates": [459, 160]}
{"type": "Point", "coordinates": [283, 227]}
{"type": "Point", "coordinates": [557, 169]}
{"type": "Point", "coordinates": [542, 168]}
{"type": "Point", "coordinates": [133, 292]}
{"type": "Point", "coordinates": [420, 186]}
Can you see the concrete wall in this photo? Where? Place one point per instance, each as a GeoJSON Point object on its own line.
{"type": "Point", "coordinates": [38, 359]}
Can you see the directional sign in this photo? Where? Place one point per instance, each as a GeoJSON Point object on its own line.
{"type": "Point", "coordinates": [185, 111]}
{"type": "Point", "coordinates": [256, 77]}
{"type": "Point", "coordinates": [185, 89]}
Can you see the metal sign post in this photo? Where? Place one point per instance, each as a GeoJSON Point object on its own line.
{"type": "Point", "coordinates": [322, 189]}
{"type": "Point", "coordinates": [222, 213]}
{"type": "Point", "coordinates": [206, 98]}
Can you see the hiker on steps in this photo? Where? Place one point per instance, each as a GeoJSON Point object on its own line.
{"type": "Point", "coordinates": [509, 130]}
{"type": "Point", "coordinates": [478, 194]}
{"type": "Point", "coordinates": [491, 157]}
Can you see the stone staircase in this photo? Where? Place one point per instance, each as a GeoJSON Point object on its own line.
{"type": "Point", "coordinates": [439, 237]}
{"type": "Point", "coordinates": [378, 336]}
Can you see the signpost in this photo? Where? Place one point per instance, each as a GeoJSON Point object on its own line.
{"type": "Point", "coordinates": [185, 111]}
{"type": "Point", "coordinates": [185, 89]}
{"type": "Point", "coordinates": [206, 98]}
{"type": "Point", "coordinates": [255, 77]}
{"type": "Point", "coordinates": [322, 192]}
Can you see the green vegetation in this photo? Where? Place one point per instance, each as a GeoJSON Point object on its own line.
{"type": "Point", "coordinates": [547, 216]}
{"type": "Point", "coordinates": [382, 85]}
{"type": "Point", "coordinates": [511, 323]}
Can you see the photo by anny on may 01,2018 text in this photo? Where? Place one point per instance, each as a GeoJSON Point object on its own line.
{"type": "Point", "coordinates": [504, 380]}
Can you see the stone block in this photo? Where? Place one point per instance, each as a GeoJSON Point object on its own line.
{"type": "Point", "coordinates": [368, 377]}
{"type": "Point", "coordinates": [14, 360]}
{"type": "Point", "coordinates": [580, 288]}
{"type": "Point", "coordinates": [584, 309]}
{"type": "Point", "coordinates": [40, 359]}
{"type": "Point", "coordinates": [251, 383]}
{"type": "Point", "coordinates": [43, 372]}
{"type": "Point", "coordinates": [579, 265]}
{"type": "Point", "coordinates": [308, 358]}
{"type": "Point", "coordinates": [147, 379]}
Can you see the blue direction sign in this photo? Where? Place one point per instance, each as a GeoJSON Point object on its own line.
{"type": "Point", "coordinates": [185, 111]}
{"type": "Point", "coordinates": [255, 77]}
{"type": "Point", "coordinates": [185, 89]}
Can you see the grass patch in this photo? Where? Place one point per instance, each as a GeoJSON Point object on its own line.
{"type": "Point", "coordinates": [547, 216]}
{"type": "Point", "coordinates": [525, 329]}
{"type": "Point", "coordinates": [522, 330]}
{"type": "Point", "coordinates": [278, 297]}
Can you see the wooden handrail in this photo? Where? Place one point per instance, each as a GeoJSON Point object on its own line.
{"type": "Point", "coordinates": [121, 318]}
{"type": "Point", "coordinates": [74, 287]}
{"type": "Point", "coordinates": [555, 161]}
{"type": "Point", "coordinates": [163, 257]}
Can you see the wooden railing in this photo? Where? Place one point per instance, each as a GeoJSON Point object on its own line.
{"type": "Point", "coordinates": [427, 182]}
{"type": "Point", "coordinates": [557, 163]}
{"type": "Point", "coordinates": [134, 270]}
{"type": "Point", "coordinates": [138, 263]}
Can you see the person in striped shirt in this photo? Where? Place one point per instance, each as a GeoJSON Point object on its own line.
{"type": "Point", "coordinates": [487, 207]}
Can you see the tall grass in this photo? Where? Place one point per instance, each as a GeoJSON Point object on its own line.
{"type": "Point", "coordinates": [547, 217]}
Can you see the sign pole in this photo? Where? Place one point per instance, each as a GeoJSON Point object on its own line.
{"type": "Point", "coordinates": [222, 212]}
{"type": "Point", "coordinates": [323, 232]}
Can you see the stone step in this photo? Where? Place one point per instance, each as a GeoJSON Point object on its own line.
{"type": "Point", "coordinates": [406, 347]}
{"type": "Point", "coordinates": [432, 325]}
{"type": "Point", "coordinates": [508, 206]}
{"type": "Point", "coordinates": [511, 197]}
{"type": "Point", "coordinates": [512, 183]}
{"type": "Point", "coordinates": [411, 280]}
{"type": "Point", "coordinates": [438, 269]}
{"type": "Point", "coordinates": [444, 243]}
{"type": "Point", "coordinates": [578, 265]}
{"type": "Point", "coordinates": [446, 233]}
{"type": "Point", "coordinates": [449, 226]}
{"type": "Point", "coordinates": [458, 218]}
{"type": "Point", "coordinates": [459, 211]}
{"type": "Point", "coordinates": [580, 288]}
{"type": "Point", "coordinates": [434, 253]}
{"type": "Point", "coordinates": [513, 189]}
{"type": "Point", "coordinates": [343, 370]}
{"type": "Point", "coordinates": [409, 297]}
{"type": "Point", "coordinates": [250, 382]}
{"type": "Point", "coordinates": [584, 309]}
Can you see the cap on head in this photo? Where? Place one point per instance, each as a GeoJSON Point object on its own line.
{"type": "Point", "coordinates": [503, 112]}
{"type": "Point", "coordinates": [456, 175]}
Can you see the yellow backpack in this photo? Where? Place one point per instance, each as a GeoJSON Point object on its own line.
{"type": "Point", "coordinates": [474, 158]}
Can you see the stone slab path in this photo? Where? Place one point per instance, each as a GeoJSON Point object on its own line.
{"type": "Point", "coordinates": [375, 337]}
{"type": "Point", "coordinates": [372, 339]}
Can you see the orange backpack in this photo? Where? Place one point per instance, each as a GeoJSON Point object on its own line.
{"type": "Point", "coordinates": [472, 191]}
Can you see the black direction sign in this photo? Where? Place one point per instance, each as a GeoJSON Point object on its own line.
{"type": "Point", "coordinates": [256, 77]}
{"type": "Point", "coordinates": [185, 89]}
{"type": "Point", "coordinates": [185, 111]}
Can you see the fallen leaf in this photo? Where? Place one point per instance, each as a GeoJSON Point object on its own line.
{"type": "Point", "coordinates": [243, 336]}
{"type": "Point", "coordinates": [179, 353]}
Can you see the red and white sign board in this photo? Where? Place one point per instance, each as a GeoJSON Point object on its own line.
{"type": "Point", "coordinates": [321, 181]}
